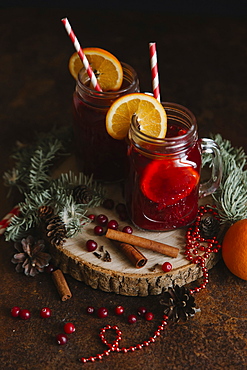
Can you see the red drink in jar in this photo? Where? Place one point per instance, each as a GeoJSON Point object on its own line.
{"type": "Point", "coordinates": [163, 185]}
{"type": "Point", "coordinates": [97, 152]}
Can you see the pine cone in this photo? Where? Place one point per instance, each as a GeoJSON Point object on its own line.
{"type": "Point", "coordinates": [31, 259]}
{"type": "Point", "coordinates": [56, 231]}
{"type": "Point", "coordinates": [83, 194]}
{"type": "Point", "coordinates": [179, 304]}
{"type": "Point", "coordinates": [209, 227]}
{"type": "Point", "coordinates": [45, 212]}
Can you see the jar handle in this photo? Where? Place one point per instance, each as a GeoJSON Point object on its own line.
{"type": "Point", "coordinates": [210, 186]}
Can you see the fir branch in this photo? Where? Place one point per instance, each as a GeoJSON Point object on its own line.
{"type": "Point", "coordinates": [231, 197]}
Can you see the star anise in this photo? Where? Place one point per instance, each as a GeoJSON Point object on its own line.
{"type": "Point", "coordinates": [31, 259]}
{"type": "Point", "coordinates": [179, 302]}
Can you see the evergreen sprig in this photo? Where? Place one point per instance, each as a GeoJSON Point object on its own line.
{"type": "Point", "coordinates": [32, 177]}
{"type": "Point", "coordinates": [231, 196]}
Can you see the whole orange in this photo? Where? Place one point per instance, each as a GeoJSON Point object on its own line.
{"type": "Point", "coordinates": [234, 249]}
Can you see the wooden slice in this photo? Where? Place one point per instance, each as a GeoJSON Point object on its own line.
{"type": "Point", "coordinates": [119, 275]}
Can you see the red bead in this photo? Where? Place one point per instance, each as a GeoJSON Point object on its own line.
{"type": "Point", "coordinates": [90, 310]}
{"type": "Point", "coordinates": [119, 310]}
{"type": "Point", "coordinates": [149, 316]}
{"type": "Point", "coordinates": [152, 339]}
{"type": "Point", "coordinates": [61, 339]}
{"type": "Point", "coordinates": [146, 343]}
{"type": "Point", "coordinates": [132, 319]}
{"type": "Point", "coordinates": [102, 312]}
{"type": "Point", "coordinates": [167, 266]}
{"type": "Point", "coordinates": [124, 350]}
{"type": "Point", "coordinates": [83, 360]}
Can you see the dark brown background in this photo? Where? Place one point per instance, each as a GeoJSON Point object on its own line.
{"type": "Point", "coordinates": [202, 62]}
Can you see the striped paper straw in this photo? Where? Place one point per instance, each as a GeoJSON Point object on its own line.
{"type": "Point", "coordinates": [154, 70]}
{"type": "Point", "coordinates": [81, 54]}
{"type": "Point", "coordinates": [4, 223]}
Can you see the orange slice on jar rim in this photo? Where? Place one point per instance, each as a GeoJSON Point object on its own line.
{"type": "Point", "coordinates": [150, 114]}
{"type": "Point", "coordinates": [106, 67]}
{"type": "Point", "coordinates": [167, 182]}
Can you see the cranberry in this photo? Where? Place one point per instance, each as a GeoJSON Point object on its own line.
{"type": "Point", "coordinates": [61, 339]}
{"type": "Point", "coordinates": [50, 268]}
{"type": "Point", "coordinates": [120, 207]}
{"type": "Point", "coordinates": [102, 312]}
{"type": "Point", "coordinates": [90, 310]}
{"type": "Point", "coordinates": [141, 311]}
{"type": "Point", "coordinates": [45, 312]}
{"type": "Point", "coordinates": [127, 230]}
{"type": "Point", "coordinates": [91, 217]}
{"type": "Point", "coordinates": [69, 328]}
{"type": "Point", "coordinates": [112, 224]}
{"type": "Point", "coordinates": [108, 203]}
{"type": "Point", "coordinates": [98, 230]}
{"type": "Point", "coordinates": [167, 266]}
{"type": "Point", "coordinates": [15, 311]}
{"type": "Point", "coordinates": [132, 319]}
{"type": "Point", "coordinates": [119, 310]}
{"type": "Point", "coordinates": [25, 314]}
{"type": "Point", "coordinates": [149, 316]}
{"type": "Point", "coordinates": [91, 245]}
{"type": "Point", "coordinates": [102, 220]}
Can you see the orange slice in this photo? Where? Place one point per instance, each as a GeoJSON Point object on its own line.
{"type": "Point", "coordinates": [167, 182]}
{"type": "Point", "coordinates": [151, 116]}
{"type": "Point", "coordinates": [106, 67]}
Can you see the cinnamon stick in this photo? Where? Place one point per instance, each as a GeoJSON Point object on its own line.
{"type": "Point", "coordinates": [61, 285]}
{"type": "Point", "coordinates": [133, 254]}
{"type": "Point", "coordinates": [142, 242]}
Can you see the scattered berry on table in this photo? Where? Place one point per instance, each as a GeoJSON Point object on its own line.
{"type": "Point", "coordinates": [61, 339]}
{"type": "Point", "coordinates": [102, 312]}
{"type": "Point", "coordinates": [91, 217]}
{"type": "Point", "coordinates": [132, 319]}
{"type": "Point", "coordinates": [91, 245]}
{"type": "Point", "coordinates": [108, 203]}
{"type": "Point", "coordinates": [102, 220]}
{"type": "Point", "coordinates": [45, 312]}
{"type": "Point", "coordinates": [90, 310]}
{"type": "Point", "coordinates": [15, 311]}
{"type": "Point", "coordinates": [112, 224]}
{"type": "Point", "coordinates": [50, 268]}
{"type": "Point", "coordinates": [98, 230]}
{"type": "Point", "coordinates": [149, 316]}
{"type": "Point", "coordinates": [69, 328]}
{"type": "Point", "coordinates": [167, 266]}
{"type": "Point", "coordinates": [141, 311]}
{"type": "Point", "coordinates": [127, 230]}
{"type": "Point", "coordinates": [25, 314]}
{"type": "Point", "coordinates": [119, 310]}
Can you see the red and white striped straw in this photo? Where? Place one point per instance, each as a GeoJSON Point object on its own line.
{"type": "Point", "coordinates": [81, 54]}
{"type": "Point", "coordinates": [4, 223]}
{"type": "Point", "coordinates": [154, 70]}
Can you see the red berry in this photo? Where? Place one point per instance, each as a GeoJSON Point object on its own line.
{"type": "Point", "coordinates": [45, 312]}
{"type": "Point", "coordinates": [167, 266]}
{"type": "Point", "coordinates": [15, 311]}
{"type": "Point", "coordinates": [119, 310]}
{"type": "Point", "coordinates": [108, 203]}
{"type": "Point", "coordinates": [132, 319]}
{"type": "Point", "coordinates": [112, 224]}
{"type": "Point", "coordinates": [120, 207]}
{"type": "Point", "coordinates": [90, 310]}
{"type": "Point", "coordinates": [25, 314]}
{"type": "Point", "coordinates": [98, 230]}
{"type": "Point", "coordinates": [141, 311]}
{"type": "Point", "coordinates": [69, 328]}
{"type": "Point", "coordinates": [91, 245]}
{"type": "Point", "coordinates": [149, 316]}
{"type": "Point", "coordinates": [102, 312]}
{"type": "Point", "coordinates": [61, 339]}
{"type": "Point", "coordinates": [91, 217]}
{"type": "Point", "coordinates": [127, 230]}
{"type": "Point", "coordinates": [50, 268]}
{"type": "Point", "coordinates": [102, 220]}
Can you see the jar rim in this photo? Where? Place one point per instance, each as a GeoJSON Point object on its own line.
{"type": "Point", "coordinates": [108, 94]}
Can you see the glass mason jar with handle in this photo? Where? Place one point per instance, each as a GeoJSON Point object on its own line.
{"type": "Point", "coordinates": [163, 184]}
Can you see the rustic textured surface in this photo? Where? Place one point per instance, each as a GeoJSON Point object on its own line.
{"type": "Point", "coordinates": [202, 62]}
